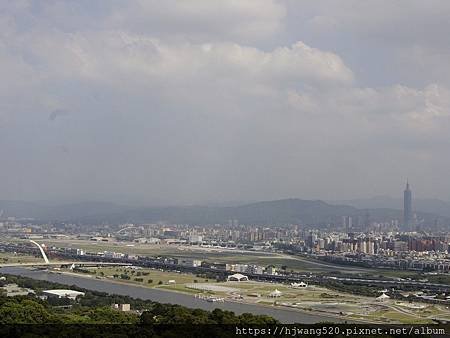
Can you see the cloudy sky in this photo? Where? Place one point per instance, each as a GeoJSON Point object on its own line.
{"type": "Point", "coordinates": [181, 102]}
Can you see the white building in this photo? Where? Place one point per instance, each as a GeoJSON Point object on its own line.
{"type": "Point", "coordinates": [190, 262]}
{"type": "Point", "coordinates": [383, 297]}
{"type": "Point", "coordinates": [195, 239]}
{"type": "Point", "coordinates": [255, 269]}
{"type": "Point", "coordinates": [371, 248]}
{"type": "Point", "coordinates": [109, 254]}
{"type": "Point", "coordinates": [61, 293]}
{"type": "Point", "coordinates": [122, 307]}
{"type": "Point", "coordinates": [237, 267]}
{"type": "Point", "coordinates": [237, 277]}
{"type": "Point", "coordinates": [241, 268]}
{"type": "Point", "coordinates": [153, 240]}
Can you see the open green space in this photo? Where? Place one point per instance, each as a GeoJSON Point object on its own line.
{"type": "Point", "coordinates": [206, 254]}
{"type": "Point", "coordinates": [312, 298]}
{"type": "Point", "coordinates": [147, 277]}
{"type": "Point", "coordinates": [295, 263]}
{"type": "Point", "coordinates": [13, 258]}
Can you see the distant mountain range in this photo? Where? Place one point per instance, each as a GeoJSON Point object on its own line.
{"type": "Point", "coordinates": [287, 211]}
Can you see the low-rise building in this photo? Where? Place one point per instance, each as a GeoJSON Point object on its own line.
{"type": "Point", "coordinates": [13, 290]}
{"type": "Point", "coordinates": [195, 239]}
{"type": "Point", "coordinates": [62, 293]}
{"type": "Point", "coordinates": [271, 270]}
{"type": "Point", "coordinates": [190, 262]}
{"type": "Point", "coordinates": [122, 307]}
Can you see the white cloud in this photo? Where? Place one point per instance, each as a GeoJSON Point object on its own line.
{"type": "Point", "coordinates": [112, 57]}
{"type": "Point", "coordinates": [298, 64]}
{"type": "Point", "coordinates": [385, 42]}
{"type": "Point", "coordinates": [418, 109]}
{"type": "Point", "coordinates": [244, 20]}
{"type": "Point", "coordinates": [154, 87]}
{"type": "Point", "coordinates": [399, 22]}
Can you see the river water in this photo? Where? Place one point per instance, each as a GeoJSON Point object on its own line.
{"type": "Point", "coordinates": [283, 315]}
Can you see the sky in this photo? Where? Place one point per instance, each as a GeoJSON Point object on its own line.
{"type": "Point", "coordinates": [194, 101]}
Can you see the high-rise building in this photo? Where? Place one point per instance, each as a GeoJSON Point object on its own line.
{"type": "Point", "coordinates": [347, 223]}
{"type": "Point", "coordinates": [407, 208]}
{"type": "Point", "coordinates": [366, 221]}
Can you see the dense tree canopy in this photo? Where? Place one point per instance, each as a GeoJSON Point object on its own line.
{"type": "Point", "coordinates": [95, 308]}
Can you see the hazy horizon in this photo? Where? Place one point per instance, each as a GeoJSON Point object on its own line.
{"type": "Point", "coordinates": [183, 102]}
{"type": "Point", "coordinates": [211, 203]}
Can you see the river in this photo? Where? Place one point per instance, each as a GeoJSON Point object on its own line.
{"type": "Point", "coordinates": [283, 315]}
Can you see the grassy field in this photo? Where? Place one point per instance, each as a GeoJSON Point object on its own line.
{"type": "Point", "coordinates": [153, 275]}
{"type": "Point", "coordinates": [12, 258]}
{"type": "Point", "coordinates": [400, 317]}
{"type": "Point", "coordinates": [147, 249]}
{"type": "Point", "coordinates": [296, 263]}
{"type": "Point", "coordinates": [209, 254]}
{"type": "Point", "coordinates": [313, 298]}
{"type": "Point", "coordinates": [181, 288]}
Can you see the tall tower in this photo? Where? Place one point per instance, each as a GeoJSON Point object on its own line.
{"type": "Point", "coordinates": [407, 207]}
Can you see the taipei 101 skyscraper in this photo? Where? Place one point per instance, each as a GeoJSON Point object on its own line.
{"type": "Point", "coordinates": [407, 207]}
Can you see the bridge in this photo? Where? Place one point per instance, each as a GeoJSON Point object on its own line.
{"type": "Point", "coordinates": [133, 228]}
{"type": "Point", "coordinates": [47, 262]}
{"type": "Point", "coordinates": [42, 251]}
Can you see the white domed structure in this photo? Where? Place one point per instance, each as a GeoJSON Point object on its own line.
{"type": "Point", "coordinates": [237, 277]}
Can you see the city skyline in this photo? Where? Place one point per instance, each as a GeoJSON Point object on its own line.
{"type": "Point", "coordinates": [225, 166]}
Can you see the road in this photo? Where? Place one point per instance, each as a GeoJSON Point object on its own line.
{"type": "Point", "coordinates": [285, 315]}
{"type": "Point", "coordinates": [325, 265]}
{"type": "Point", "coordinates": [59, 263]}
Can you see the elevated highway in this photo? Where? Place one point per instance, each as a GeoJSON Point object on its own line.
{"type": "Point", "coordinates": [289, 278]}
{"type": "Point", "coordinates": [62, 263]}
{"type": "Point", "coordinates": [47, 262]}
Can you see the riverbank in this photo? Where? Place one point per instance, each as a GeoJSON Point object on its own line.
{"type": "Point", "coordinates": [165, 296]}
{"type": "Point", "coordinates": [327, 316]}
